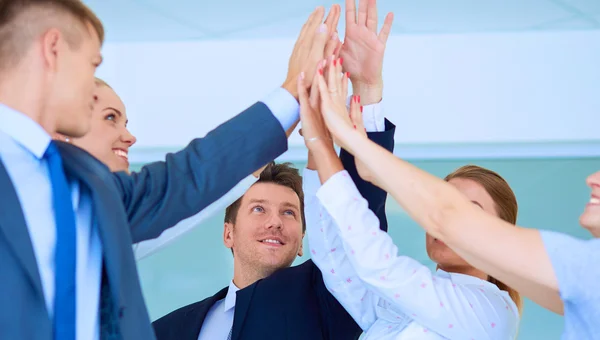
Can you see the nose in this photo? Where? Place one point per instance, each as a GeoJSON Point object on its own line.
{"type": "Point", "coordinates": [127, 137]}
{"type": "Point", "coordinates": [274, 222]}
{"type": "Point", "coordinates": [593, 180]}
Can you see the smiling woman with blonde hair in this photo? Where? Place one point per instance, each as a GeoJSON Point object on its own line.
{"type": "Point", "coordinates": [109, 140]}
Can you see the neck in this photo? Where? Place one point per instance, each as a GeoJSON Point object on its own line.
{"type": "Point", "coordinates": [245, 275]}
{"type": "Point", "coordinates": [23, 93]}
{"type": "Point", "coordinates": [466, 270]}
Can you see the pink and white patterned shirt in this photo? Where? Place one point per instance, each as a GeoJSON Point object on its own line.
{"type": "Point", "coordinates": [392, 296]}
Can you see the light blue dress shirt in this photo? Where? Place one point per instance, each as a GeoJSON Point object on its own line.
{"type": "Point", "coordinates": [22, 146]}
{"type": "Point", "coordinates": [576, 264]}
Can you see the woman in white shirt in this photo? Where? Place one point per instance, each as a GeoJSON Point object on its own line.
{"type": "Point", "coordinates": [392, 296]}
{"type": "Point", "coordinates": [109, 141]}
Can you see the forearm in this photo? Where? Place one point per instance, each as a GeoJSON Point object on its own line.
{"type": "Point", "coordinates": [426, 198]}
{"type": "Point", "coordinates": [481, 239]}
{"type": "Point", "coordinates": [149, 247]}
{"type": "Point", "coordinates": [324, 159]}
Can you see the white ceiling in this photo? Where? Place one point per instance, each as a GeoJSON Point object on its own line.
{"type": "Point", "coordinates": [160, 20]}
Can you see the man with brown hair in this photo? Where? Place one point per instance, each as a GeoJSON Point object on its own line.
{"type": "Point", "coordinates": [268, 299]}
{"type": "Point", "coordinates": [66, 223]}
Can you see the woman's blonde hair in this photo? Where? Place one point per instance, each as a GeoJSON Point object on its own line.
{"type": "Point", "coordinates": [101, 82]}
{"type": "Point", "coordinates": [506, 206]}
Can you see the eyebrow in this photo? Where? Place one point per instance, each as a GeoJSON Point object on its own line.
{"type": "Point", "coordinates": [477, 203]}
{"type": "Point", "coordinates": [285, 204]}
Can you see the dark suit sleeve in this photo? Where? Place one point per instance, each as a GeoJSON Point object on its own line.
{"type": "Point", "coordinates": [164, 193]}
{"type": "Point", "coordinates": [336, 317]}
{"type": "Point", "coordinates": [373, 194]}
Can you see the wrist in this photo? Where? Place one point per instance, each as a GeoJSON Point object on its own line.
{"type": "Point", "coordinates": [320, 147]}
{"type": "Point", "coordinates": [369, 93]}
{"type": "Point", "coordinates": [291, 87]}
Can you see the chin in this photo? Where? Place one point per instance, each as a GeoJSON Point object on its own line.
{"type": "Point", "coordinates": [591, 223]}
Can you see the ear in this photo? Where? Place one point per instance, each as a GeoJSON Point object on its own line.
{"type": "Point", "coordinates": [301, 250]}
{"type": "Point", "coordinates": [228, 235]}
{"type": "Point", "coordinates": [51, 43]}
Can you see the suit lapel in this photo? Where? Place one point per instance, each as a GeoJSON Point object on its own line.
{"type": "Point", "coordinates": [193, 320]}
{"type": "Point", "coordinates": [14, 227]}
{"type": "Point", "coordinates": [92, 176]}
{"type": "Point", "coordinates": [242, 303]}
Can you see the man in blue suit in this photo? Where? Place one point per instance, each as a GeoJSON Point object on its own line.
{"type": "Point", "coordinates": [268, 299]}
{"type": "Point", "coordinates": [66, 222]}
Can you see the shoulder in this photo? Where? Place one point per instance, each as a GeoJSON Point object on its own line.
{"type": "Point", "coordinates": [71, 152]}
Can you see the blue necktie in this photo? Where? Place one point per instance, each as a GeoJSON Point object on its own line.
{"type": "Point", "coordinates": [65, 253]}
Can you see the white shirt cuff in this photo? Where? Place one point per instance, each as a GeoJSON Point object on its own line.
{"type": "Point", "coordinates": [373, 117]}
{"type": "Point", "coordinates": [284, 107]}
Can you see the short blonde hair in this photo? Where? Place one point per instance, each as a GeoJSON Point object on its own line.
{"type": "Point", "coordinates": [22, 20]}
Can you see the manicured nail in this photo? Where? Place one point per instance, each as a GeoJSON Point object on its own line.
{"type": "Point", "coordinates": [358, 99]}
{"type": "Point", "coordinates": [322, 28]}
{"type": "Point", "coordinates": [321, 71]}
{"type": "Point", "coordinates": [355, 126]}
{"type": "Point", "coordinates": [341, 61]}
{"type": "Point", "coordinates": [334, 61]}
{"type": "Point", "coordinates": [348, 74]}
{"type": "Point", "coordinates": [361, 108]}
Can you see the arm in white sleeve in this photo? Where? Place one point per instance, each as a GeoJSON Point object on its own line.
{"type": "Point", "coordinates": [149, 247]}
{"type": "Point", "coordinates": [326, 251]}
{"type": "Point", "coordinates": [454, 306]}
{"type": "Point", "coordinates": [284, 107]}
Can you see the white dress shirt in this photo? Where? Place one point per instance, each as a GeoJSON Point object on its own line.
{"type": "Point", "coordinates": [286, 109]}
{"type": "Point", "coordinates": [149, 247]}
{"type": "Point", "coordinates": [23, 143]}
{"type": "Point", "coordinates": [388, 295]}
{"type": "Point", "coordinates": [219, 320]}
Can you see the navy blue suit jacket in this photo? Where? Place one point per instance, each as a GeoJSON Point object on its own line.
{"type": "Point", "coordinates": [129, 209]}
{"type": "Point", "coordinates": [292, 303]}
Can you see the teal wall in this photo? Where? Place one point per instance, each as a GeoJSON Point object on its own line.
{"type": "Point", "coordinates": [551, 194]}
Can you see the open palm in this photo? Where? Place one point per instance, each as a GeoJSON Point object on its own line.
{"type": "Point", "coordinates": [363, 48]}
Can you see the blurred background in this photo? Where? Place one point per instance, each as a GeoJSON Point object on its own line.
{"type": "Point", "coordinates": [513, 85]}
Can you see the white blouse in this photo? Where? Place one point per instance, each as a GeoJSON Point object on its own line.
{"type": "Point", "coordinates": [388, 295]}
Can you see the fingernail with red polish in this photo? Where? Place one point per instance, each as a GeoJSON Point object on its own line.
{"type": "Point", "coordinates": [347, 74]}
{"type": "Point", "coordinates": [361, 109]}
{"type": "Point", "coordinates": [341, 60]}
{"type": "Point", "coordinates": [355, 126]}
{"type": "Point", "coordinates": [320, 71]}
{"type": "Point", "coordinates": [334, 61]}
{"type": "Point", "coordinates": [359, 99]}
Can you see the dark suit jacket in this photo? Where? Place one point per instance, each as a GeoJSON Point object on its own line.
{"type": "Point", "coordinates": [292, 303]}
{"type": "Point", "coordinates": [130, 209]}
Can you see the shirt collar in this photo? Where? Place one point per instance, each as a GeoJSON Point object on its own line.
{"type": "Point", "coordinates": [24, 131]}
{"type": "Point", "coordinates": [230, 298]}
{"type": "Point", "coordinates": [466, 279]}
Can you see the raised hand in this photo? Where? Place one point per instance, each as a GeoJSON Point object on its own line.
{"type": "Point", "coordinates": [333, 92]}
{"type": "Point", "coordinates": [363, 49]}
{"type": "Point", "coordinates": [310, 47]}
{"type": "Point", "coordinates": [313, 130]}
